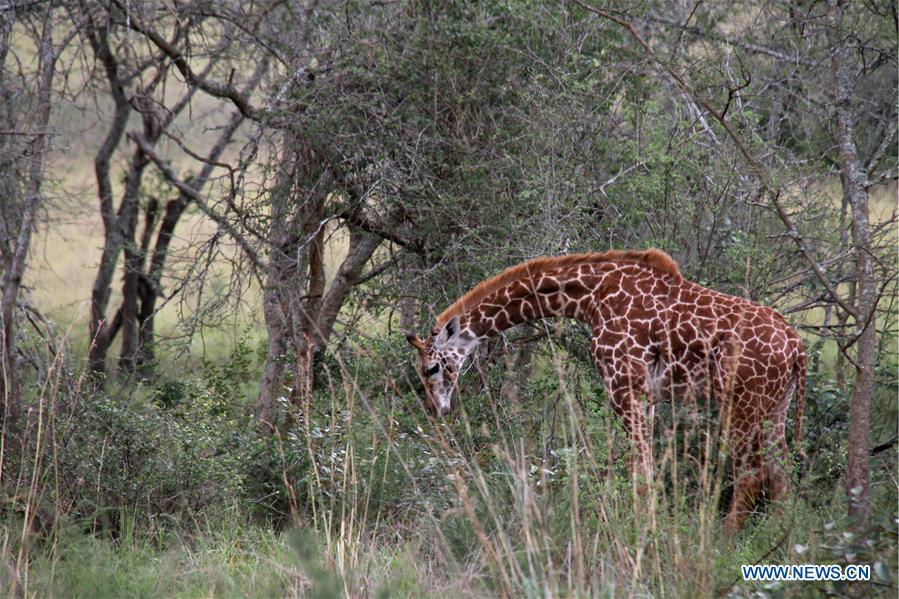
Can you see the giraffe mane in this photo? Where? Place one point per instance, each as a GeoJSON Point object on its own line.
{"type": "Point", "coordinates": [651, 258]}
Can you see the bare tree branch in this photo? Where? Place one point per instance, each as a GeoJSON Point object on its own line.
{"type": "Point", "coordinates": [214, 88]}
{"type": "Point", "coordinates": [772, 191]}
{"type": "Point", "coordinates": [198, 198]}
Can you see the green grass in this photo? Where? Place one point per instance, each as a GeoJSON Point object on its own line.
{"type": "Point", "coordinates": [385, 504]}
{"type": "Point", "coordinates": [232, 559]}
{"type": "Point", "coordinates": [238, 562]}
{"type": "Point", "coordinates": [236, 559]}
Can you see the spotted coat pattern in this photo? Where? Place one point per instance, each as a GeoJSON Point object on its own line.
{"type": "Point", "coordinates": [655, 337]}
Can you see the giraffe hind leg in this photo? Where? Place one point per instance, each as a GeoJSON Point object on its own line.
{"type": "Point", "coordinates": [757, 474]}
{"type": "Point", "coordinates": [747, 488]}
{"type": "Point", "coordinates": [775, 471]}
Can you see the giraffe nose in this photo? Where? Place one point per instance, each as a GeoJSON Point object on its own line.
{"type": "Point", "coordinates": [442, 411]}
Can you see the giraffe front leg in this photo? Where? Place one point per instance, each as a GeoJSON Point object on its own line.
{"type": "Point", "coordinates": [632, 409]}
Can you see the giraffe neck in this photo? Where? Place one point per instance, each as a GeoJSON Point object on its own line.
{"type": "Point", "coordinates": [563, 293]}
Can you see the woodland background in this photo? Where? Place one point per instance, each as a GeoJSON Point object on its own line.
{"type": "Point", "coordinates": [218, 220]}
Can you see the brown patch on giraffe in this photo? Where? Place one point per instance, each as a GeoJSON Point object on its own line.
{"type": "Point", "coordinates": [533, 269]}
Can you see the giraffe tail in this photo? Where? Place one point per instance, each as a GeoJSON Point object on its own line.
{"type": "Point", "coordinates": [799, 373]}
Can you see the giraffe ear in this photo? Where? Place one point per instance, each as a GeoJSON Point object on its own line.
{"type": "Point", "coordinates": [449, 330]}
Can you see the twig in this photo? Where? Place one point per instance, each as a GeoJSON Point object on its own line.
{"type": "Point", "coordinates": [197, 197]}
{"type": "Point", "coordinates": [884, 446]}
{"type": "Point", "coordinates": [219, 90]}
{"type": "Point", "coordinates": [761, 173]}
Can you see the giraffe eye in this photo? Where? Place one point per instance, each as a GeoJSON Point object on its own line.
{"type": "Point", "coordinates": [433, 370]}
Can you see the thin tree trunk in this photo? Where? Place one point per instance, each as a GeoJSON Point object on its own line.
{"type": "Point", "coordinates": [134, 257]}
{"type": "Point", "coordinates": [127, 219]}
{"type": "Point", "coordinates": [857, 471]}
{"type": "Point", "coordinates": [12, 278]}
{"type": "Point", "coordinates": [102, 330]}
{"type": "Point", "coordinates": [273, 374]}
{"type": "Point", "coordinates": [842, 315]}
{"type": "Point", "coordinates": [362, 246]}
{"type": "Point", "coordinates": [305, 290]}
{"type": "Point", "coordinates": [146, 293]}
{"type": "Point", "coordinates": [283, 275]}
{"type": "Point", "coordinates": [149, 282]}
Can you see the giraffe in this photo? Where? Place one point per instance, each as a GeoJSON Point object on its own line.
{"type": "Point", "coordinates": [655, 336]}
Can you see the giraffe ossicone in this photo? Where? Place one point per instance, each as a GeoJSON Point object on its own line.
{"type": "Point", "coordinates": [655, 336]}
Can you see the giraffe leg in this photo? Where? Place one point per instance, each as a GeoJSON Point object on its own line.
{"type": "Point", "coordinates": [633, 415]}
{"type": "Point", "coordinates": [771, 477]}
{"type": "Point", "coordinates": [749, 480]}
{"type": "Point", "coordinates": [776, 480]}
{"type": "Point", "coordinates": [760, 456]}
{"type": "Point", "coordinates": [775, 467]}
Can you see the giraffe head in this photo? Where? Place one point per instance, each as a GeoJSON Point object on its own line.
{"type": "Point", "coordinates": [440, 358]}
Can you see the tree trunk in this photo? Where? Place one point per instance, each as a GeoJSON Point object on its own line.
{"type": "Point", "coordinates": [150, 282]}
{"type": "Point", "coordinates": [285, 268]}
{"type": "Point", "coordinates": [127, 219]}
{"type": "Point", "coordinates": [842, 315]}
{"type": "Point", "coordinates": [298, 305]}
{"type": "Point", "coordinates": [119, 226]}
{"type": "Point", "coordinates": [857, 470]}
{"type": "Point", "coordinates": [146, 294]}
{"type": "Point", "coordinates": [101, 329]}
{"type": "Point", "coordinates": [304, 291]}
{"type": "Point", "coordinates": [272, 383]}
{"type": "Point", "coordinates": [12, 277]}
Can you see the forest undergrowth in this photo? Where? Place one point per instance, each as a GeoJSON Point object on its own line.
{"type": "Point", "coordinates": [166, 489]}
